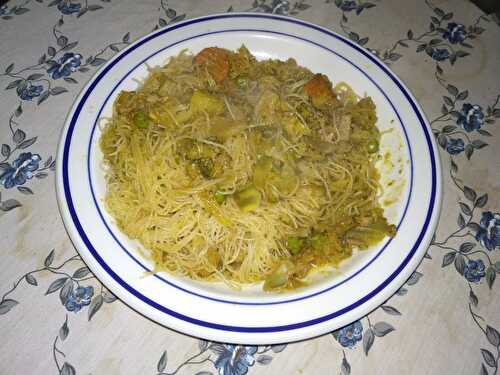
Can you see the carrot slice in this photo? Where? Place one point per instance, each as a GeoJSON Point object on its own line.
{"type": "Point", "coordinates": [318, 86]}
{"type": "Point", "coordinates": [216, 60]}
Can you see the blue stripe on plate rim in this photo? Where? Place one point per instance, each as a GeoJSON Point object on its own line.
{"type": "Point", "coordinates": [216, 326]}
{"type": "Point", "coordinates": [146, 269]}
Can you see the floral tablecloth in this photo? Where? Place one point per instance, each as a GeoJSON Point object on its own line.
{"type": "Point", "coordinates": [56, 317]}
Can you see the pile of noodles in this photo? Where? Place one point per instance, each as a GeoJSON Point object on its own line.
{"type": "Point", "coordinates": [154, 199]}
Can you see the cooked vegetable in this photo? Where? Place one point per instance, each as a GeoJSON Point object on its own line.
{"type": "Point", "coordinates": [294, 245]}
{"type": "Point", "coordinates": [279, 277]}
{"type": "Point", "coordinates": [318, 240]}
{"type": "Point", "coordinates": [224, 128]}
{"type": "Point", "coordinates": [205, 166]}
{"type": "Point", "coordinates": [248, 199]}
{"type": "Point", "coordinates": [230, 169]}
{"type": "Point", "coordinates": [219, 197]}
{"type": "Point", "coordinates": [204, 102]}
{"type": "Point", "coordinates": [242, 81]}
{"type": "Point", "coordinates": [372, 146]}
{"type": "Point", "coordinates": [216, 60]}
{"type": "Point", "coordinates": [319, 88]}
{"type": "Point", "coordinates": [211, 206]}
{"type": "Point", "coordinates": [141, 120]}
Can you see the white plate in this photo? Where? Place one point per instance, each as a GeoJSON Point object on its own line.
{"type": "Point", "coordinates": [251, 316]}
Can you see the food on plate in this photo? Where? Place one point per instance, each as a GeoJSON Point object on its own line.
{"type": "Point", "coordinates": [226, 168]}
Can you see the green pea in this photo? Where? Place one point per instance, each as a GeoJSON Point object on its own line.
{"type": "Point", "coordinates": [372, 146]}
{"type": "Point", "coordinates": [219, 197]}
{"type": "Point", "coordinates": [141, 120]}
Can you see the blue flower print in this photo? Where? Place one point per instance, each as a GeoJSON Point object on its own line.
{"type": "Point", "coordinates": [438, 54]}
{"type": "Point", "coordinates": [21, 170]}
{"type": "Point", "coordinates": [65, 66]}
{"type": "Point", "coordinates": [280, 7]}
{"type": "Point", "coordinates": [30, 92]}
{"type": "Point", "coordinates": [488, 234]}
{"type": "Point", "coordinates": [455, 33]}
{"type": "Point", "coordinates": [471, 117]}
{"type": "Point", "coordinates": [234, 359]}
{"type": "Point", "coordinates": [349, 335]}
{"type": "Point", "coordinates": [67, 7]}
{"type": "Point", "coordinates": [78, 298]}
{"type": "Point", "coordinates": [455, 146]}
{"type": "Point", "coordinates": [474, 270]}
{"type": "Point", "coordinates": [348, 5]}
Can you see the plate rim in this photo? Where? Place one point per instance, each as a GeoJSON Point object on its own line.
{"type": "Point", "coordinates": [421, 243]}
